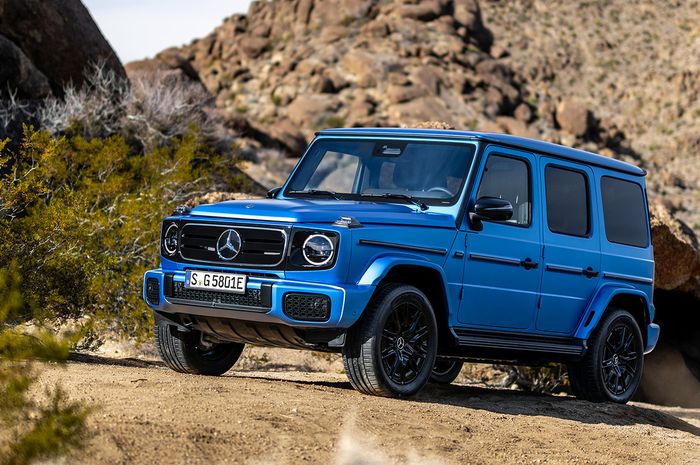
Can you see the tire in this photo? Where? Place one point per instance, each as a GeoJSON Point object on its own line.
{"type": "Point", "coordinates": [185, 352]}
{"type": "Point", "coordinates": [611, 369]}
{"type": "Point", "coordinates": [445, 370]}
{"type": "Point", "coordinates": [391, 351]}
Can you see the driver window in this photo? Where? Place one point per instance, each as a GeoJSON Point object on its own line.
{"type": "Point", "coordinates": [509, 179]}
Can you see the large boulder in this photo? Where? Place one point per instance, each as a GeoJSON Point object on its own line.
{"type": "Point", "coordinates": [676, 253]}
{"type": "Point", "coordinates": [58, 42]}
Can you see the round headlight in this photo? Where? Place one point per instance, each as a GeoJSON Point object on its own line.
{"type": "Point", "coordinates": [170, 239]}
{"type": "Point", "coordinates": [318, 250]}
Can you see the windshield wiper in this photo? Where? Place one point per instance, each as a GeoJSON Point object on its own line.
{"type": "Point", "coordinates": [319, 192]}
{"type": "Point", "coordinates": [408, 198]}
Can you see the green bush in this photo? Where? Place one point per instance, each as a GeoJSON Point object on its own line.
{"type": "Point", "coordinates": [81, 219]}
{"type": "Point", "coordinates": [30, 429]}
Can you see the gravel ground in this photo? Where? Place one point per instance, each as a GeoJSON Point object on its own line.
{"type": "Point", "coordinates": [293, 413]}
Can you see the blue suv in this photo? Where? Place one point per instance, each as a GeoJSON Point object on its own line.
{"type": "Point", "coordinates": [411, 251]}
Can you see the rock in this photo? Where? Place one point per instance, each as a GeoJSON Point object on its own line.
{"type": "Point", "coordinates": [60, 39]}
{"type": "Point", "coordinates": [523, 113]}
{"type": "Point", "coordinates": [310, 110]}
{"type": "Point", "coordinates": [426, 10]}
{"type": "Point", "coordinates": [468, 13]}
{"type": "Point", "coordinates": [573, 117]}
{"type": "Point", "coordinates": [421, 109]}
{"type": "Point", "coordinates": [19, 73]}
{"type": "Point", "coordinates": [401, 94]}
{"type": "Point", "coordinates": [218, 196]}
{"type": "Point", "coordinates": [676, 253]}
{"type": "Point", "coordinates": [253, 46]}
{"type": "Point", "coordinates": [168, 64]}
{"type": "Point", "coordinates": [516, 127]}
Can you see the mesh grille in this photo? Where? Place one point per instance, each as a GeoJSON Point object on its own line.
{"type": "Point", "coordinates": [307, 307]}
{"type": "Point", "coordinates": [152, 291]}
{"type": "Point", "coordinates": [250, 299]}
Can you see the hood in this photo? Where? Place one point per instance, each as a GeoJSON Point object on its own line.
{"type": "Point", "coordinates": [320, 211]}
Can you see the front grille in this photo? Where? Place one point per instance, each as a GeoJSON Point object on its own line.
{"type": "Point", "coordinates": [152, 291]}
{"type": "Point", "coordinates": [307, 307]}
{"type": "Point", "coordinates": [260, 247]}
{"type": "Point", "coordinates": [251, 298]}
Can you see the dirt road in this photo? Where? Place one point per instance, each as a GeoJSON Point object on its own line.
{"type": "Point", "coordinates": [146, 414]}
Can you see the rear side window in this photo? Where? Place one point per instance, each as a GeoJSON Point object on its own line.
{"type": "Point", "coordinates": [567, 201]}
{"type": "Point", "coordinates": [624, 212]}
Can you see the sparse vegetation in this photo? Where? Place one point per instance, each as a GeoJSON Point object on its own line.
{"type": "Point", "coordinates": [31, 429]}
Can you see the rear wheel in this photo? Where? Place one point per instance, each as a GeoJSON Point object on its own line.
{"type": "Point", "coordinates": [445, 370]}
{"type": "Point", "coordinates": [190, 352]}
{"type": "Point", "coordinates": [390, 352]}
{"type": "Point", "coordinates": [612, 367]}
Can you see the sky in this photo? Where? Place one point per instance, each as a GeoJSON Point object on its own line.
{"type": "Point", "coordinates": [139, 29]}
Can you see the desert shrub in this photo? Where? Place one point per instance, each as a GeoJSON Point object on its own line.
{"type": "Point", "coordinates": [550, 378]}
{"type": "Point", "coordinates": [31, 429]}
{"type": "Point", "coordinates": [148, 112]}
{"type": "Point", "coordinates": [81, 219]}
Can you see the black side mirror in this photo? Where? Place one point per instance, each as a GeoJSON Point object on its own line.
{"type": "Point", "coordinates": [272, 193]}
{"type": "Point", "coordinates": [490, 208]}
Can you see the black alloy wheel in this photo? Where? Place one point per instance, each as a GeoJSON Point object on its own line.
{"type": "Point", "coordinates": [611, 368]}
{"type": "Point", "coordinates": [391, 350]}
{"type": "Point", "coordinates": [404, 343]}
{"type": "Point", "coordinates": [620, 359]}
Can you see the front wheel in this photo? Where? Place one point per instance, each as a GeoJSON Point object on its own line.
{"type": "Point", "coordinates": [390, 352]}
{"type": "Point", "coordinates": [611, 369]}
{"type": "Point", "coordinates": [190, 352]}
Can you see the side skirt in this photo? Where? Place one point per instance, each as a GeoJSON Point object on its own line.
{"type": "Point", "coordinates": [493, 345]}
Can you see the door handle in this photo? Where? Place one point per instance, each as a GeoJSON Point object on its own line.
{"type": "Point", "coordinates": [590, 272]}
{"type": "Point", "coordinates": [528, 264]}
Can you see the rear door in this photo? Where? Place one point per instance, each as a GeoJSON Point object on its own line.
{"type": "Point", "coordinates": [571, 252]}
{"type": "Point", "coordinates": [502, 274]}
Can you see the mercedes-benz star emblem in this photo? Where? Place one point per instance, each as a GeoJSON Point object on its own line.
{"type": "Point", "coordinates": [228, 245]}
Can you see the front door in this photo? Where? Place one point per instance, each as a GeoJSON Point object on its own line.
{"type": "Point", "coordinates": [502, 270]}
{"type": "Point", "coordinates": [571, 270]}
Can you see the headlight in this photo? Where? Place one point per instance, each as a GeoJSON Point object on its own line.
{"type": "Point", "coordinates": [318, 250]}
{"type": "Point", "coordinates": [170, 239]}
{"type": "Point", "coordinates": [313, 250]}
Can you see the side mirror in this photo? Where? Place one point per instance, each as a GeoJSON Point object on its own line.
{"type": "Point", "coordinates": [490, 208]}
{"type": "Point", "coordinates": [272, 193]}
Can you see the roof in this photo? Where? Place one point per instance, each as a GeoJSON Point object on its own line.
{"type": "Point", "coordinates": [534, 145]}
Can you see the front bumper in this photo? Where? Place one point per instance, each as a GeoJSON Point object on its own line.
{"type": "Point", "coordinates": [653, 331]}
{"type": "Point", "coordinates": [346, 301]}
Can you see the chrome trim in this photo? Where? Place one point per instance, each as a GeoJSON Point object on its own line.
{"type": "Point", "coordinates": [231, 226]}
{"type": "Point", "coordinates": [326, 261]}
{"type": "Point", "coordinates": [495, 259]}
{"type": "Point", "coordinates": [626, 277]}
{"type": "Point", "coordinates": [564, 268]}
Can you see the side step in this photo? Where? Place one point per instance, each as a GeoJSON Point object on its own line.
{"type": "Point", "coordinates": [518, 342]}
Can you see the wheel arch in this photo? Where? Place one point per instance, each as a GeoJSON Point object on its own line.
{"type": "Point", "coordinates": [612, 297]}
{"type": "Point", "coordinates": [426, 276]}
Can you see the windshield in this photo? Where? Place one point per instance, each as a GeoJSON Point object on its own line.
{"type": "Point", "coordinates": [427, 172]}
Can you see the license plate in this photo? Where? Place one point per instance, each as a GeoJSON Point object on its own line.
{"type": "Point", "coordinates": [212, 281]}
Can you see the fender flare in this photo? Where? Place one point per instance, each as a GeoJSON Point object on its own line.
{"type": "Point", "coordinates": [380, 268]}
{"type": "Point", "coordinates": [600, 302]}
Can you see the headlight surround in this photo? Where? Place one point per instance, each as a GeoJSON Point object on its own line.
{"type": "Point", "coordinates": [313, 250]}
{"type": "Point", "coordinates": [318, 250]}
{"type": "Point", "coordinates": [170, 239]}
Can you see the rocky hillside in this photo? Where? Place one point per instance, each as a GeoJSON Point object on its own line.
{"type": "Point", "coordinates": [633, 64]}
{"type": "Point", "coordinates": [620, 84]}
